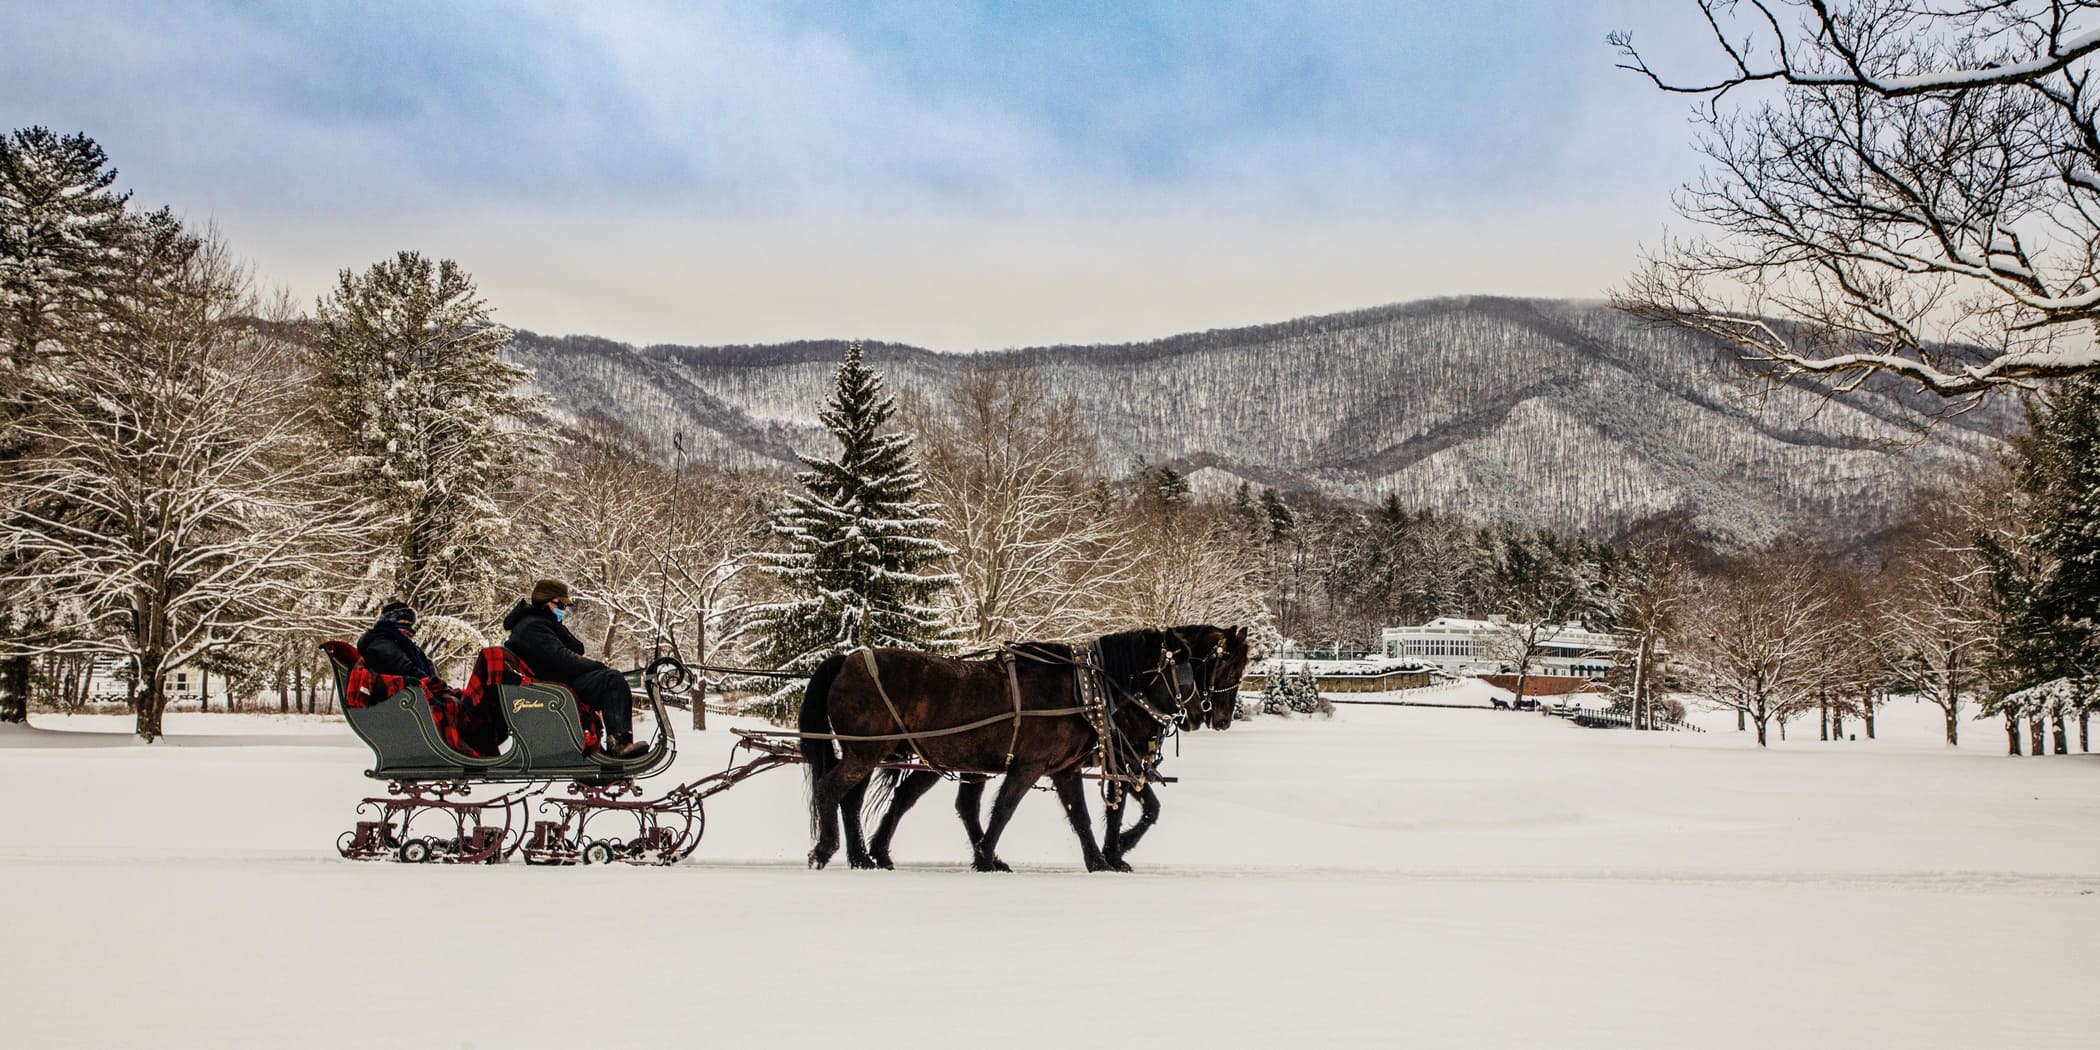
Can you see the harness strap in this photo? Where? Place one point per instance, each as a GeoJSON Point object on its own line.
{"type": "Point", "coordinates": [1013, 689]}
{"type": "Point", "coordinates": [925, 734]}
{"type": "Point", "coordinates": [867, 656]}
{"type": "Point", "coordinates": [1100, 706]}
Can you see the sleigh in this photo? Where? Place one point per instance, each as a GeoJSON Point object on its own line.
{"type": "Point", "coordinates": [503, 729]}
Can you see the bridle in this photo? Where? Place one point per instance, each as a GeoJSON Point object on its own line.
{"type": "Point", "coordinates": [1205, 690]}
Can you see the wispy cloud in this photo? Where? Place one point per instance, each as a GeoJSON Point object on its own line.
{"type": "Point", "coordinates": [919, 168]}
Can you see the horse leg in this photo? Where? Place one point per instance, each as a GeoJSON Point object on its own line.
{"type": "Point", "coordinates": [1071, 791]}
{"type": "Point", "coordinates": [1016, 784]}
{"type": "Point", "coordinates": [1112, 829]}
{"type": "Point", "coordinates": [825, 795]}
{"type": "Point", "coordinates": [969, 800]}
{"type": "Point", "coordinates": [907, 793]}
{"type": "Point", "coordinates": [850, 804]}
{"type": "Point", "coordinates": [1148, 797]}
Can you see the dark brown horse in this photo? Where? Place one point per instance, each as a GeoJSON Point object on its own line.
{"type": "Point", "coordinates": [961, 716]}
{"type": "Point", "coordinates": [1216, 659]}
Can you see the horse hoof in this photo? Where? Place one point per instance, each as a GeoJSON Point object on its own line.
{"type": "Point", "coordinates": [861, 863]}
{"type": "Point", "coordinates": [884, 864]}
{"type": "Point", "coordinates": [817, 861]}
{"type": "Point", "coordinates": [993, 864]}
{"type": "Point", "coordinates": [1119, 865]}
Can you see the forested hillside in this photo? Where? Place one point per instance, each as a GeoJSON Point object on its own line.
{"type": "Point", "coordinates": [1552, 413]}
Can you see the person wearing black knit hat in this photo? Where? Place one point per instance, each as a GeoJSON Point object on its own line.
{"type": "Point", "coordinates": [554, 654]}
{"type": "Point", "coordinates": [390, 646]}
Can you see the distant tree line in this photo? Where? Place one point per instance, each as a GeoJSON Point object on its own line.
{"type": "Point", "coordinates": [199, 475]}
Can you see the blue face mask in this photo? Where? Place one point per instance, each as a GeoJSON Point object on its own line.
{"type": "Point", "coordinates": [560, 613]}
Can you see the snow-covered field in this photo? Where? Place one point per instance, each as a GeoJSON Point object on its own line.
{"type": "Point", "coordinates": [1394, 876]}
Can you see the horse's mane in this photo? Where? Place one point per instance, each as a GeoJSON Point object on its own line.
{"type": "Point", "coordinates": [1056, 652]}
{"type": "Point", "coordinates": [1127, 654]}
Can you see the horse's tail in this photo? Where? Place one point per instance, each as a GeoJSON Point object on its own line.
{"type": "Point", "coordinates": [881, 788]}
{"type": "Point", "coordinates": [820, 755]}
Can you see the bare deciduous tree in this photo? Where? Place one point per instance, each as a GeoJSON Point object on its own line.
{"type": "Point", "coordinates": [1936, 623]}
{"type": "Point", "coordinates": [1036, 556]}
{"type": "Point", "coordinates": [1541, 592]}
{"type": "Point", "coordinates": [1756, 637]}
{"type": "Point", "coordinates": [1646, 601]}
{"type": "Point", "coordinates": [196, 510]}
{"type": "Point", "coordinates": [1897, 187]}
{"type": "Point", "coordinates": [658, 552]}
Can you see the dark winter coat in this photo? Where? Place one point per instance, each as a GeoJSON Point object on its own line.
{"type": "Point", "coordinates": [545, 645]}
{"type": "Point", "coordinates": [386, 650]}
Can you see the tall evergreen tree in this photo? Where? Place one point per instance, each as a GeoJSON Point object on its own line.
{"type": "Point", "coordinates": [862, 557]}
{"type": "Point", "coordinates": [2061, 475]}
{"type": "Point", "coordinates": [434, 422]}
{"type": "Point", "coordinates": [71, 254]}
{"type": "Point", "coordinates": [2047, 582]}
{"type": "Point", "coordinates": [62, 228]}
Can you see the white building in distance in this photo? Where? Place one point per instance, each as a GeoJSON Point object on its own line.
{"type": "Point", "coordinates": [1459, 646]}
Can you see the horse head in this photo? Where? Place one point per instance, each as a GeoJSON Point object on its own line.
{"type": "Point", "coordinates": [1155, 685]}
{"type": "Point", "coordinates": [1217, 658]}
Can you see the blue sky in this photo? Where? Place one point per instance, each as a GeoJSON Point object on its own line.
{"type": "Point", "coordinates": [960, 175]}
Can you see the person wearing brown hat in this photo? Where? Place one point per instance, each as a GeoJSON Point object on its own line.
{"type": "Point", "coordinates": [553, 654]}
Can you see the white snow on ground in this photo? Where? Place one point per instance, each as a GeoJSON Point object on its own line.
{"type": "Point", "coordinates": [1394, 876]}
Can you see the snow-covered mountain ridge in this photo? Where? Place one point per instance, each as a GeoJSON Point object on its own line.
{"type": "Point", "coordinates": [1559, 413]}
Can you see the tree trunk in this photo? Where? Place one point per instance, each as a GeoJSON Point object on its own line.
{"type": "Point", "coordinates": [2085, 722]}
{"type": "Point", "coordinates": [1953, 727]}
{"type": "Point", "coordinates": [1643, 708]}
{"type": "Point", "coordinates": [1823, 717]}
{"type": "Point", "coordinates": [1867, 715]}
{"type": "Point", "coordinates": [2012, 733]}
{"type": "Point", "coordinates": [2035, 748]}
{"type": "Point", "coordinates": [2059, 736]}
{"type": "Point", "coordinates": [151, 703]}
{"type": "Point", "coordinates": [1760, 727]}
{"type": "Point", "coordinates": [14, 689]}
{"type": "Point", "coordinates": [1739, 720]}
{"type": "Point", "coordinates": [700, 678]}
{"type": "Point", "coordinates": [1837, 723]}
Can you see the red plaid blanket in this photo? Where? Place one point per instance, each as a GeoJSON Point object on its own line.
{"type": "Point", "coordinates": [463, 722]}
{"type": "Point", "coordinates": [497, 666]}
{"type": "Point", "coordinates": [448, 708]}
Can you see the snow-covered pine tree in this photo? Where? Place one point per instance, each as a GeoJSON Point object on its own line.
{"type": "Point", "coordinates": [62, 229]}
{"type": "Point", "coordinates": [2048, 582]}
{"type": "Point", "coordinates": [1276, 691]}
{"type": "Point", "coordinates": [70, 252]}
{"type": "Point", "coordinates": [1305, 693]}
{"type": "Point", "coordinates": [861, 566]}
{"type": "Point", "coordinates": [434, 421]}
